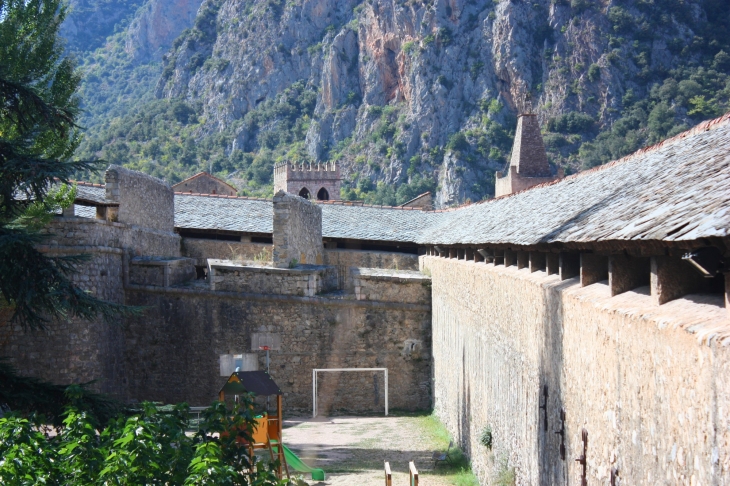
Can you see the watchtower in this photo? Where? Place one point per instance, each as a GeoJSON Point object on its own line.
{"type": "Point", "coordinates": [319, 181]}
{"type": "Point", "coordinates": [529, 164]}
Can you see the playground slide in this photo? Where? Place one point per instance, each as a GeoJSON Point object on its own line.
{"type": "Point", "coordinates": [295, 463]}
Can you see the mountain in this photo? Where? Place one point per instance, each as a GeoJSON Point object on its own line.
{"type": "Point", "coordinates": [407, 95]}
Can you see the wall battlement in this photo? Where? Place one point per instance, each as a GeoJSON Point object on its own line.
{"type": "Point", "coordinates": [312, 181]}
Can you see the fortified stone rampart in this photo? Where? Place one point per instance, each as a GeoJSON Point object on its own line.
{"type": "Point", "coordinates": [537, 357]}
{"type": "Point", "coordinates": [371, 259]}
{"type": "Point", "coordinates": [201, 249]}
{"type": "Point", "coordinates": [187, 329]}
{"type": "Point", "coordinates": [160, 272]}
{"type": "Point", "coordinates": [297, 231]}
{"type": "Point", "coordinates": [303, 280]}
{"type": "Point", "coordinates": [72, 350]}
{"type": "Point", "coordinates": [143, 200]}
{"type": "Point", "coordinates": [135, 240]}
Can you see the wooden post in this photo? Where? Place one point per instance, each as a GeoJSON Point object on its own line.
{"type": "Point", "coordinates": [388, 475]}
{"type": "Point", "coordinates": [413, 472]}
{"type": "Point", "coordinates": [279, 414]}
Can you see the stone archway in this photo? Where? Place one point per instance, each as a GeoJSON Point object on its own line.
{"type": "Point", "coordinates": [304, 193]}
{"type": "Point", "coordinates": [323, 195]}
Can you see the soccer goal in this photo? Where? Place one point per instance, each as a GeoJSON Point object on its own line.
{"type": "Point", "coordinates": [318, 370]}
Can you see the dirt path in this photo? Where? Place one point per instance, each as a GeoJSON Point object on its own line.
{"type": "Point", "coordinates": [352, 450]}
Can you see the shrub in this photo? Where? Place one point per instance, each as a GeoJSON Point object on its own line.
{"type": "Point", "coordinates": [485, 438]}
{"type": "Point", "coordinates": [572, 122]}
{"type": "Point", "coordinates": [147, 447]}
{"type": "Point", "coordinates": [594, 72]}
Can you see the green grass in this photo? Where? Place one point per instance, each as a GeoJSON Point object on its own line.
{"type": "Point", "coordinates": [458, 472]}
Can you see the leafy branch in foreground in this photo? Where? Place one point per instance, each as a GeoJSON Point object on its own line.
{"type": "Point", "coordinates": [148, 447]}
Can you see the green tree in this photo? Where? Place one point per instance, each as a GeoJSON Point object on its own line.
{"type": "Point", "coordinates": [38, 136]}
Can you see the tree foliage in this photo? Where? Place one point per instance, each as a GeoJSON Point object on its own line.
{"type": "Point", "coordinates": [151, 446]}
{"type": "Point", "coordinates": [38, 136]}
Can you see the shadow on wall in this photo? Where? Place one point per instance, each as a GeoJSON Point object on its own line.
{"type": "Point", "coordinates": [465, 417]}
{"type": "Point", "coordinates": [552, 440]}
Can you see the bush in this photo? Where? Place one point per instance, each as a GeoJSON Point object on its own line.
{"type": "Point", "coordinates": [148, 447]}
{"type": "Point", "coordinates": [486, 437]}
{"type": "Point", "coordinates": [572, 122]}
{"type": "Point", "coordinates": [458, 142]}
{"type": "Point", "coordinates": [594, 72]}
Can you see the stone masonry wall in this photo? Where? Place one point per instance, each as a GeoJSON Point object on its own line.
{"type": "Point", "coordinates": [202, 249]}
{"type": "Point", "coordinates": [371, 259]}
{"type": "Point", "coordinates": [143, 200]}
{"type": "Point", "coordinates": [654, 401]}
{"type": "Point", "coordinates": [305, 280]}
{"type": "Point", "coordinates": [86, 232]}
{"type": "Point", "coordinates": [173, 351]}
{"type": "Point", "coordinates": [72, 350]}
{"type": "Point", "coordinates": [391, 286]}
{"type": "Point", "coordinates": [297, 231]}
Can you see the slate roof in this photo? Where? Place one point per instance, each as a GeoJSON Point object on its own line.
{"type": "Point", "coordinates": [374, 223]}
{"type": "Point", "coordinates": [210, 212]}
{"type": "Point", "coordinates": [677, 190]}
{"type": "Point", "coordinates": [90, 193]}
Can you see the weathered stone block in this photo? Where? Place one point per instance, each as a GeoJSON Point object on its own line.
{"type": "Point", "coordinates": [626, 273]}
{"type": "Point", "coordinates": [593, 268]}
{"type": "Point", "coordinates": [671, 278]}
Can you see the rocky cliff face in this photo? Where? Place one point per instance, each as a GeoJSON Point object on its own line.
{"type": "Point", "coordinates": [156, 25]}
{"type": "Point", "coordinates": [421, 93]}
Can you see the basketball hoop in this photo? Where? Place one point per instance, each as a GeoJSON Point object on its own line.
{"type": "Point", "coordinates": [264, 348]}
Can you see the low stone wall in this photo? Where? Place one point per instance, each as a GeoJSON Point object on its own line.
{"type": "Point", "coordinates": [391, 285]}
{"type": "Point", "coordinates": [371, 259]}
{"type": "Point", "coordinates": [184, 332]}
{"type": "Point", "coordinates": [160, 272]}
{"type": "Point", "coordinates": [538, 360]}
{"type": "Point", "coordinates": [86, 232]}
{"type": "Point", "coordinates": [304, 280]}
{"type": "Point", "coordinates": [202, 249]}
{"type": "Point", "coordinates": [297, 231]}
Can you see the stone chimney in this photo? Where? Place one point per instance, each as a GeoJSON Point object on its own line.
{"type": "Point", "coordinates": [529, 165]}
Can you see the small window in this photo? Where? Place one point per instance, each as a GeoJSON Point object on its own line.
{"type": "Point", "coordinates": [304, 193]}
{"type": "Point", "coordinates": [323, 195]}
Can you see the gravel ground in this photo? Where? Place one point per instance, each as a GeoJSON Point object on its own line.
{"type": "Point", "coordinates": [352, 450]}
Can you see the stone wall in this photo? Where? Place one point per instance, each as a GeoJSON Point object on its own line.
{"type": "Point", "coordinates": [161, 272]}
{"type": "Point", "coordinates": [173, 351]}
{"type": "Point", "coordinates": [143, 200]}
{"type": "Point", "coordinates": [304, 280]}
{"type": "Point", "coordinates": [72, 350]}
{"type": "Point", "coordinates": [201, 249]}
{"type": "Point", "coordinates": [371, 259]}
{"type": "Point", "coordinates": [297, 231]}
{"type": "Point", "coordinates": [391, 285]}
{"type": "Point", "coordinates": [86, 232]}
{"type": "Point", "coordinates": [653, 400]}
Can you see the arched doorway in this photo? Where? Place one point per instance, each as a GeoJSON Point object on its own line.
{"type": "Point", "coordinates": [323, 195]}
{"type": "Point", "coordinates": [304, 193]}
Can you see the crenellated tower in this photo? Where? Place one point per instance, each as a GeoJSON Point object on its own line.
{"type": "Point", "coordinates": [319, 181]}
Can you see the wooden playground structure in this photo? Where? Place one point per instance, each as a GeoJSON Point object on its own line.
{"type": "Point", "coordinates": [267, 431]}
